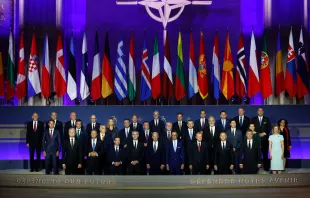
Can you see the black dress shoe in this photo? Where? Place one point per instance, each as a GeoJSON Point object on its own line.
{"type": "Point", "coordinates": [37, 170]}
{"type": "Point", "coordinates": [31, 170]}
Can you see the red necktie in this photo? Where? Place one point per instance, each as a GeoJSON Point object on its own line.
{"type": "Point", "coordinates": [147, 136]}
{"type": "Point", "coordinates": [198, 147]}
{"type": "Point", "coordinates": [203, 123]}
{"type": "Point", "coordinates": [35, 127]}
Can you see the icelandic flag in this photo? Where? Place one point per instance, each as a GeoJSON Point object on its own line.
{"type": "Point", "coordinates": [290, 75]}
{"type": "Point", "coordinates": [215, 77]}
{"type": "Point", "coordinates": [145, 85]}
{"type": "Point", "coordinates": [34, 86]}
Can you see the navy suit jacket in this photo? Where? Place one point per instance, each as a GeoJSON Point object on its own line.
{"type": "Point", "coordinates": [220, 125]}
{"type": "Point", "coordinates": [142, 137]}
{"type": "Point", "coordinates": [197, 125]}
{"type": "Point", "coordinates": [122, 136]}
{"type": "Point", "coordinates": [175, 159]}
{"type": "Point", "coordinates": [107, 142]}
{"type": "Point", "coordinates": [153, 158]}
{"type": "Point", "coordinates": [139, 127]}
{"type": "Point", "coordinates": [51, 145]}
{"type": "Point", "coordinates": [89, 128]}
{"type": "Point", "coordinates": [83, 139]}
{"type": "Point", "coordinates": [120, 157]}
{"type": "Point", "coordinates": [236, 140]}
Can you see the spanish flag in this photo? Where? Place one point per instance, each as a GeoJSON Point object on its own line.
{"type": "Point", "coordinates": [228, 88]}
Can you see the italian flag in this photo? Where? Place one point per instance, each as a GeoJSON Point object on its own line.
{"type": "Point", "coordinates": [155, 83]}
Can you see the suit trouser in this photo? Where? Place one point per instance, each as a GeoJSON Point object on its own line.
{"type": "Point", "coordinates": [71, 170]}
{"type": "Point", "coordinates": [35, 164]}
{"type": "Point", "coordinates": [174, 170]}
{"type": "Point", "coordinates": [93, 166]}
{"type": "Point", "coordinates": [133, 169]}
{"type": "Point", "coordinates": [50, 161]}
{"type": "Point", "coordinates": [211, 161]}
{"type": "Point", "coordinates": [264, 150]}
{"type": "Point", "coordinates": [236, 161]}
{"type": "Point", "coordinates": [199, 169]}
{"type": "Point", "coordinates": [116, 170]}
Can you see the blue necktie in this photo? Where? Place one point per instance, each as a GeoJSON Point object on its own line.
{"type": "Point", "coordinates": [94, 145]}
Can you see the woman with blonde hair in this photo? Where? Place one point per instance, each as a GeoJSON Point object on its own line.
{"type": "Point", "coordinates": [276, 148]}
{"type": "Point", "coordinates": [111, 128]}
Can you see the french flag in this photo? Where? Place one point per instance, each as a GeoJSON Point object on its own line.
{"type": "Point", "coordinates": [34, 86]}
{"type": "Point", "coordinates": [290, 75]}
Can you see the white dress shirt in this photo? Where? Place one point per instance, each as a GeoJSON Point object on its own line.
{"type": "Point", "coordinates": [72, 141]}
{"type": "Point", "coordinates": [155, 145]}
{"type": "Point", "coordinates": [233, 131]}
{"type": "Point", "coordinates": [224, 144]}
{"type": "Point", "coordinates": [212, 130]}
{"type": "Point", "coordinates": [175, 145]}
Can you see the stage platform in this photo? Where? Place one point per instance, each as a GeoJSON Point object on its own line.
{"type": "Point", "coordinates": [292, 178]}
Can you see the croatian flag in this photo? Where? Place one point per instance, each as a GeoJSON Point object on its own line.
{"type": "Point", "coordinates": [33, 72]}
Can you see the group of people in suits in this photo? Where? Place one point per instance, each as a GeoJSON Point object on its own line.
{"type": "Point", "coordinates": [202, 146]}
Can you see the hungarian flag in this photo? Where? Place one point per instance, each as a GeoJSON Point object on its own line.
{"type": "Point", "coordinates": [132, 72]}
{"type": "Point", "coordinates": [71, 87]}
{"type": "Point", "coordinates": [107, 76]}
{"type": "Point", "coordinates": [60, 74]}
{"type": "Point", "coordinates": [155, 71]}
{"type": "Point", "coordinates": [95, 85]}
{"type": "Point", "coordinates": [46, 70]}
{"type": "Point", "coordinates": [215, 77]}
{"type": "Point", "coordinates": [253, 83]}
{"type": "Point", "coordinates": [302, 71]}
{"type": "Point", "coordinates": [228, 88]}
{"type": "Point", "coordinates": [265, 79]}
{"type": "Point", "coordinates": [145, 82]}
{"type": "Point", "coordinates": [202, 70]}
{"type": "Point", "coordinates": [179, 78]}
{"type": "Point", "coordinates": [10, 82]}
{"type": "Point", "coordinates": [290, 74]}
{"type": "Point", "coordinates": [1, 77]}
{"type": "Point", "coordinates": [240, 71]}
{"type": "Point", "coordinates": [167, 77]}
{"type": "Point", "coordinates": [279, 69]}
{"type": "Point", "coordinates": [192, 77]}
{"type": "Point", "coordinates": [21, 89]}
{"type": "Point", "coordinates": [84, 84]}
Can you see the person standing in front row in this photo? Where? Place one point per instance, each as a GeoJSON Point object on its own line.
{"type": "Point", "coordinates": [175, 155]}
{"type": "Point", "coordinates": [116, 158]}
{"type": "Point", "coordinates": [276, 147]}
{"type": "Point", "coordinates": [94, 152]}
{"type": "Point", "coordinates": [198, 156]}
{"type": "Point", "coordinates": [35, 130]}
{"type": "Point", "coordinates": [250, 155]}
{"type": "Point", "coordinates": [51, 147]}
{"type": "Point", "coordinates": [155, 156]}
{"type": "Point", "coordinates": [223, 157]}
{"type": "Point", "coordinates": [135, 153]}
{"type": "Point", "coordinates": [284, 130]}
{"type": "Point", "coordinates": [72, 154]}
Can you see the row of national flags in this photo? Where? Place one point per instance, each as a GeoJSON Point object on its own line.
{"type": "Point", "coordinates": [121, 79]}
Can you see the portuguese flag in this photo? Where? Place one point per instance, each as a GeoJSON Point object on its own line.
{"type": "Point", "coordinates": [179, 79]}
{"type": "Point", "coordinates": [265, 79]}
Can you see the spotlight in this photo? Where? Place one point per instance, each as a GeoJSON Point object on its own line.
{"type": "Point", "coordinates": [246, 100]}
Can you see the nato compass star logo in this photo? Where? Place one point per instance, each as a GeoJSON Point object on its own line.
{"type": "Point", "coordinates": [164, 7]}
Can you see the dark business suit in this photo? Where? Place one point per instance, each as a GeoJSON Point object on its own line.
{"type": "Point", "coordinates": [188, 142]}
{"type": "Point", "coordinates": [223, 158]}
{"type": "Point", "coordinates": [212, 141]}
{"type": "Point", "coordinates": [106, 142]}
{"type": "Point", "coordinates": [197, 125]}
{"type": "Point", "coordinates": [176, 128]}
{"type": "Point", "coordinates": [58, 127]}
{"type": "Point", "coordinates": [51, 145]}
{"type": "Point", "coordinates": [265, 126]}
{"type": "Point", "coordinates": [236, 141]}
{"type": "Point", "coordinates": [250, 158]}
{"type": "Point", "coordinates": [222, 128]}
{"type": "Point", "coordinates": [199, 158]}
{"type": "Point", "coordinates": [72, 156]}
{"type": "Point", "coordinates": [138, 127]}
{"type": "Point", "coordinates": [68, 125]}
{"type": "Point", "coordinates": [144, 139]}
{"type": "Point", "coordinates": [124, 139]}
{"type": "Point", "coordinates": [89, 128]}
{"type": "Point", "coordinates": [134, 154]}
{"type": "Point", "coordinates": [175, 158]}
{"type": "Point", "coordinates": [165, 139]}
{"type": "Point", "coordinates": [159, 128]}
{"type": "Point", "coordinates": [34, 139]}
{"type": "Point", "coordinates": [244, 126]}
{"type": "Point", "coordinates": [114, 156]}
{"type": "Point", "coordinates": [155, 158]}
{"type": "Point", "coordinates": [93, 162]}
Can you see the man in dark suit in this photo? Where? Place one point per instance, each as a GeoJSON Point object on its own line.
{"type": "Point", "coordinates": [125, 133]}
{"type": "Point", "coordinates": [166, 136]}
{"type": "Point", "coordinates": [255, 134]}
{"type": "Point", "coordinates": [155, 156]}
{"type": "Point", "coordinates": [263, 127]}
{"type": "Point", "coordinates": [34, 134]}
{"type": "Point", "coordinates": [242, 121]}
{"type": "Point", "coordinates": [94, 152]}
{"type": "Point", "coordinates": [250, 155]}
{"type": "Point", "coordinates": [81, 135]}
{"type": "Point", "coordinates": [211, 136]}
{"type": "Point", "coordinates": [188, 140]}
{"type": "Point", "coordinates": [51, 147]}
{"type": "Point", "coordinates": [135, 126]}
{"type": "Point", "coordinates": [179, 126]}
{"type": "Point", "coordinates": [70, 124]}
{"type": "Point", "coordinates": [145, 136]}
{"type": "Point", "coordinates": [106, 142]}
{"type": "Point", "coordinates": [175, 155]}
{"type": "Point", "coordinates": [135, 153]}
{"type": "Point", "coordinates": [202, 122]}
{"type": "Point", "coordinates": [223, 123]}
{"type": "Point", "coordinates": [157, 124]}
{"type": "Point", "coordinates": [198, 156]}
{"type": "Point", "coordinates": [223, 156]}
{"type": "Point", "coordinates": [116, 157]}
{"type": "Point", "coordinates": [72, 154]}
{"type": "Point", "coordinates": [234, 137]}
{"type": "Point", "coordinates": [93, 125]}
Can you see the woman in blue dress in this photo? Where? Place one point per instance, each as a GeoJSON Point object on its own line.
{"type": "Point", "coordinates": [276, 148]}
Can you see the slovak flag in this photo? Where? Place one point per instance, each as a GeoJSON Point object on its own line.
{"type": "Point", "coordinates": [290, 75]}
{"type": "Point", "coordinates": [34, 86]}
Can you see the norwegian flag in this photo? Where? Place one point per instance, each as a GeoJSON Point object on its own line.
{"type": "Point", "coordinates": [241, 72]}
{"type": "Point", "coordinates": [60, 75]}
